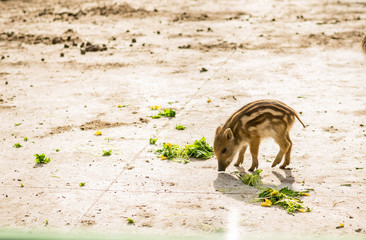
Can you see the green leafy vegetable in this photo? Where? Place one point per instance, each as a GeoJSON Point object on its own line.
{"type": "Point", "coordinates": [199, 149]}
{"type": "Point", "coordinates": [168, 112]}
{"type": "Point", "coordinates": [254, 179]}
{"type": "Point", "coordinates": [82, 184]}
{"type": "Point", "coordinates": [285, 198]}
{"type": "Point", "coordinates": [153, 140]}
{"type": "Point", "coordinates": [25, 139]}
{"type": "Point", "coordinates": [180, 127]}
{"type": "Point", "coordinates": [41, 158]}
{"type": "Point", "coordinates": [107, 153]}
{"type": "Point", "coordinates": [17, 145]}
{"type": "Point", "coordinates": [130, 221]}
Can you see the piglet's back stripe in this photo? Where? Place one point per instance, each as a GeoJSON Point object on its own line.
{"type": "Point", "coordinates": [257, 106]}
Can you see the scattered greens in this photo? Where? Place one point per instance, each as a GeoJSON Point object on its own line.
{"type": "Point", "coordinates": [17, 145]}
{"type": "Point", "coordinates": [285, 197]}
{"type": "Point", "coordinates": [107, 153]}
{"type": "Point", "coordinates": [57, 150]}
{"type": "Point", "coordinates": [168, 112]}
{"type": "Point", "coordinates": [41, 158]}
{"type": "Point", "coordinates": [251, 179]}
{"type": "Point", "coordinates": [199, 149]}
{"type": "Point", "coordinates": [180, 127]}
{"type": "Point", "coordinates": [21, 185]}
{"type": "Point", "coordinates": [82, 184]}
{"type": "Point", "coordinates": [130, 221]}
{"type": "Point", "coordinates": [153, 140]}
{"type": "Point", "coordinates": [17, 124]}
{"type": "Point", "coordinates": [25, 139]}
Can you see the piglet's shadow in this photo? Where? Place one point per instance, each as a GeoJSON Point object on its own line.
{"type": "Point", "coordinates": [229, 185]}
{"type": "Point", "coordinates": [287, 180]}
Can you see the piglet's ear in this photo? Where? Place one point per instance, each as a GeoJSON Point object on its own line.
{"type": "Point", "coordinates": [229, 134]}
{"type": "Point", "coordinates": [218, 130]}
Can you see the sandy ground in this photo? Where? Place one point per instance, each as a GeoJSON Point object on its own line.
{"type": "Point", "coordinates": [57, 91]}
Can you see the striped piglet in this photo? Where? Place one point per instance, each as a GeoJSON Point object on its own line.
{"type": "Point", "coordinates": [248, 125]}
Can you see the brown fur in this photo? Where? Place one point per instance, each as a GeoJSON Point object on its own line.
{"type": "Point", "coordinates": [247, 126]}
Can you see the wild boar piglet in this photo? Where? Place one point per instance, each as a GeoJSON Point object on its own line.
{"type": "Point", "coordinates": [247, 126]}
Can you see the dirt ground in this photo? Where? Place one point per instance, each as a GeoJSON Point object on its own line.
{"type": "Point", "coordinates": [66, 66]}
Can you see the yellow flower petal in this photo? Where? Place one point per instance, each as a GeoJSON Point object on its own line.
{"type": "Point", "coordinates": [119, 106]}
{"type": "Point", "coordinates": [98, 133]}
{"type": "Point", "coordinates": [266, 203]}
{"type": "Point", "coordinates": [302, 210]}
{"type": "Point", "coordinates": [162, 157]}
{"type": "Point", "coordinates": [208, 100]}
{"type": "Point", "coordinates": [306, 194]}
{"type": "Point", "coordinates": [169, 145]}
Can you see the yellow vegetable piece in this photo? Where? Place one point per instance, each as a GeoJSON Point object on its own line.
{"type": "Point", "coordinates": [162, 157]}
{"type": "Point", "coordinates": [208, 100]}
{"type": "Point", "coordinates": [266, 203]}
{"type": "Point", "coordinates": [341, 225]}
{"type": "Point", "coordinates": [274, 192]}
{"type": "Point", "coordinates": [302, 210]}
{"type": "Point", "coordinates": [169, 145]}
{"type": "Point", "coordinates": [98, 133]}
{"type": "Point", "coordinates": [155, 107]}
{"type": "Point", "coordinates": [306, 194]}
{"type": "Point", "coordinates": [119, 106]}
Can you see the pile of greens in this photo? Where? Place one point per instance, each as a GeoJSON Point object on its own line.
{"type": "Point", "coordinates": [199, 149]}
{"type": "Point", "coordinates": [285, 197]}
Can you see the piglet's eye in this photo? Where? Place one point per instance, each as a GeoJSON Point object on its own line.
{"type": "Point", "coordinates": [223, 151]}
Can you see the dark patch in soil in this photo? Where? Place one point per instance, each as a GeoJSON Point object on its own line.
{"type": "Point", "coordinates": [61, 129]}
{"type": "Point", "coordinates": [122, 9]}
{"type": "Point", "coordinates": [98, 124]}
{"type": "Point", "coordinates": [68, 36]}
